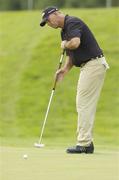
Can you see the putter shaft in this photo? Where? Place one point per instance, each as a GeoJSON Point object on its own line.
{"type": "Point", "coordinates": [46, 115]}
{"type": "Point", "coordinates": [51, 96]}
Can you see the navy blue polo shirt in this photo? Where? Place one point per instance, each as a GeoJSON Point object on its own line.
{"type": "Point", "coordinates": [88, 48]}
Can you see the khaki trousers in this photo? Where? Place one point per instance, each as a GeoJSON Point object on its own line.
{"type": "Point", "coordinates": [89, 86]}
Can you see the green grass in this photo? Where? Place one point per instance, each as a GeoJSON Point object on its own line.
{"type": "Point", "coordinates": [51, 164]}
{"type": "Point", "coordinates": [28, 59]}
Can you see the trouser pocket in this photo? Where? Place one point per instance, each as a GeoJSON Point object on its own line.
{"type": "Point", "coordinates": [104, 63]}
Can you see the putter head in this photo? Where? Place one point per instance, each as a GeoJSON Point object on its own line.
{"type": "Point", "coordinates": [38, 145]}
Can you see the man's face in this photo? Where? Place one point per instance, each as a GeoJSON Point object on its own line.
{"type": "Point", "coordinates": [53, 21]}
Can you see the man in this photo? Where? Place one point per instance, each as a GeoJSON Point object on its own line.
{"type": "Point", "coordinates": [83, 51]}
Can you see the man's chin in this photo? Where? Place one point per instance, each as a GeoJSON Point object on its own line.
{"type": "Point", "coordinates": [55, 27]}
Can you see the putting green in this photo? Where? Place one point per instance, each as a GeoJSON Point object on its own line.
{"type": "Point", "coordinates": [54, 164]}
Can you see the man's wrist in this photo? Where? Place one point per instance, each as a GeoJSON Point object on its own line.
{"type": "Point", "coordinates": [66, 45]}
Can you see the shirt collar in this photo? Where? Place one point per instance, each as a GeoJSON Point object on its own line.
{"type": "Point", "coordinates": [65, 22]}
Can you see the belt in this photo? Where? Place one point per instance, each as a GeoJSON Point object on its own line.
{"type": "Point", "coordinates": [97, 57]}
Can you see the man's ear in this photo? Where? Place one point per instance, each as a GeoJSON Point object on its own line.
{"type": "Point", "coordinates": [57, 12]}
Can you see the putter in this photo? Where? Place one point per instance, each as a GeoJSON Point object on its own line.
{"type": "Point", "coordinates": [39, 144]}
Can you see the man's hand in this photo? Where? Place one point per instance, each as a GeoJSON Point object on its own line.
{"type": "Point", "coordinates": [63, 44]}
{"type": "Point", "coordinates": [59, 75]}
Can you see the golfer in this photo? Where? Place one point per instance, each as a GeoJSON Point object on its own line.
{"type": "Point", "coordinates": [82, 50]}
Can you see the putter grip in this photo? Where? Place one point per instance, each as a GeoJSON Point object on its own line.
{"type": "Point", "coordinates": [60, 64]}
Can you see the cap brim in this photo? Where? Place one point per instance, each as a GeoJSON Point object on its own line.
{"type": "Point", "coordinates": [43, 22]}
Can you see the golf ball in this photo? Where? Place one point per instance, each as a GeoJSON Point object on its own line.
{"type": "Point", "coordinates": [25, 156]}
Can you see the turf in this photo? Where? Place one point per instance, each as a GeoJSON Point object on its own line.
{"type": "Point", "coordinates": [52, 164]}
{"type": "Point", "coordinates": [28, 59]}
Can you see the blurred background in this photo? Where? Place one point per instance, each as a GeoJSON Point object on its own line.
{"type": "Point", "coordinates": [38, 4]}
{"type": "Point", "coordinates": [29, 56]}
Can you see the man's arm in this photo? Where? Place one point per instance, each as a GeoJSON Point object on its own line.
{"type": "Point", "coordinates": [68, 64]}
{"type": "Point", "coordinates": [64, 70]}
{"type": "Point", "coordinates": [72, 44]}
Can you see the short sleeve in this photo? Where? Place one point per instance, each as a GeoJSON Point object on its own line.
{"type": "Point", "coordinates": [74, 30]}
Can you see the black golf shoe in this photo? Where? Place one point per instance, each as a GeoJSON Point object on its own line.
{"type": "Point", "coordinates": [81, 149]}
